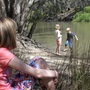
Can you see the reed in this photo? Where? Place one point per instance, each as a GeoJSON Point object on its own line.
{"type": "Point", "coordinates": [76, 75]}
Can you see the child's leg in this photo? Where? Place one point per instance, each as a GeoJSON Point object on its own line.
{"type": "Point", "coordinates": [51, 85]}
{"type": "Point", "coordinates": [58, 47]}
{"type": "Point", "coordinates": [70, 45]}
{"type": "Point", "coordinates": [66, 44]}
{"type": "Point", "coordinates": [56, 51]}
{"type": "Point", "coordinates": [48, 83]}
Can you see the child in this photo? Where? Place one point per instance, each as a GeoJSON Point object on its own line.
{"type": "Point", "coordinates": [58, 38]}
{"type": "Point", "coordinates": [8, 60]}
{"type": "Point", "coordinates": [69, 39]}
{"type": "Point", "coordinates": [25, 80]}
{"type": "Point", "coordinates": [43, 65]}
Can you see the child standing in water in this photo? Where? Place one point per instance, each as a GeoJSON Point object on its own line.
{"type": "Point", "coordinates": [9, 61]}
{"type": "Point", "coordinates": [58, 38]}
{"type": "Point", "coordinates": [69, 39]}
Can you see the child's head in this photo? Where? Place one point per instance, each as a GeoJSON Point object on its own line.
{"type": "Point", "coordinates": [68, 29]}
{"type": "Point", "coordinates": [7, 33]}
{"type": "Point", "coordinates": [57, 26]}
{"type": "Point", "coordinates": [42, 63]}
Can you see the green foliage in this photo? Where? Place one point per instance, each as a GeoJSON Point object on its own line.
{"type": "Point", "coordinates": [87, 9]}
{"type": "Point", "coordinates": [82, 16]}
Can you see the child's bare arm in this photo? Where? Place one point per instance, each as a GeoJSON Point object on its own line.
{"type": "Point", "coordinates": [38, 73]}
{"type": "Point", "coordinates": [76, 37]}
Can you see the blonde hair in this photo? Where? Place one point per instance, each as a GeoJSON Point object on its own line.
{"type": "Point", "coordinates": [68, 29]}
{"type": "Point", "coordinates": [57, 26]}
{"type": "Point", "coordinates": [7, 33]}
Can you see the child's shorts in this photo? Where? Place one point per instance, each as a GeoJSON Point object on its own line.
{"type": "Point", "coordinates": [68, 43]}
{"type": "Point", "coordinates": [58, 42]}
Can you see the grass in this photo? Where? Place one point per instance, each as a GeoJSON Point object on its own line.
{"type": "Point", "coordinates": [76, 75]}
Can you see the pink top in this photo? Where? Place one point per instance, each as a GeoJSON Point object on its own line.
{"type": "Point", "coordinates": [5, 70]}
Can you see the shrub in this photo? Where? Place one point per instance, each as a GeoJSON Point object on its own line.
{"type": "Point", "coordinates": [87, 9]}
{"type": "Point", "coordinates": [82, 16]}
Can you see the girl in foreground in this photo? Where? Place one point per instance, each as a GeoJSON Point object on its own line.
{"type": "Point", "coordinates": [8, 60]}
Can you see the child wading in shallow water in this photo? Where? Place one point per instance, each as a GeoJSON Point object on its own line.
{"type": "Point", "coordinates": [9, 61]}
{"type": "Point", "coordinates": [58, 38]}
{"type": "Point", "coordinates": [69, 39]}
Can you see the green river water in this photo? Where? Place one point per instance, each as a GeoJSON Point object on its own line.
{"type": "Point", "coordinates": [44, 34]}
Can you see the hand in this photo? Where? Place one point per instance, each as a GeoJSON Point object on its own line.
{"type": "Point", "coordinates": [55, 79]}
{"type": "Point", "coordinates": [76, 37]}
{"type": "Point", "coordinates": [56, 74]}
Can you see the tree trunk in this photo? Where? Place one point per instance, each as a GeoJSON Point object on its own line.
{"type": "Point", "coordinates": [32, 30]}
{"type": "Point", "coordinates": [17, 10]}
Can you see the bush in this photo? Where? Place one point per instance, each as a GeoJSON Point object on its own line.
{"type": "Point", "coordinates": [82, 16]}
{"type": "Point", "coordinates": [87, 9]}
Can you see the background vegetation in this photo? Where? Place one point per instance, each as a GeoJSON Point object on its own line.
{"type": "Point", "coordinates": [83, 16]}
{"type": "Point", "coordinates": [27, 13]}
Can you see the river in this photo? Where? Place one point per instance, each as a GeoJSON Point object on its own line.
{"type": "Point", "coordinates": [44, 34]}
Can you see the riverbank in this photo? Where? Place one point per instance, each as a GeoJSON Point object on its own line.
{"type": "Point", "coordinates": [27, 49]}
{"type": "Point", "coordinates": [67, 66]}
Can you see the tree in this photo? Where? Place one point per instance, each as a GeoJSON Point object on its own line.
{"type": "Point", "coordinates": [17, 10]}
{"type": "Point", "coordinates": [25, 12]}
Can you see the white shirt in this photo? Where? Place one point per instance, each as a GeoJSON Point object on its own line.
{"type": "Point", "coordinates": [58, 34]}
